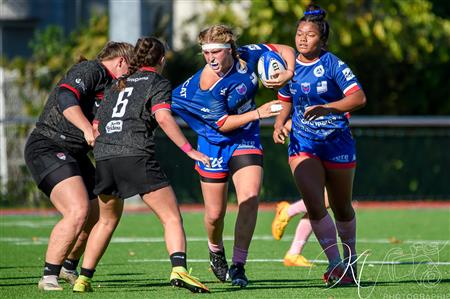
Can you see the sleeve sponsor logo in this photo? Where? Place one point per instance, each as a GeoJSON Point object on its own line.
{"type": "Point", "coordinates": [348, 74]}
{"type": "Point", "coordinates": [340, 63]}
{"type": "Point", "coordinates": [81, 83]}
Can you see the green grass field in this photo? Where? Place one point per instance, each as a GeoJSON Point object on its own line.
{"type": "Point", "coordinates": [409, 258]}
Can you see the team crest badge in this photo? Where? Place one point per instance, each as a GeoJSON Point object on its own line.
{"type": "Point", "coordinates": [306, 87]}
{"type": "Point", "coordinates": [319, 71]}
{"type": "Point", "coordinates": [241, 89]}
{"type": "Point", "coordinates": [61, 156]}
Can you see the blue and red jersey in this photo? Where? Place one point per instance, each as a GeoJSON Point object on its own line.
{"type": "Point", "coordinates": [205, 111]}
{"type": "Point", "coordinates": [323, 81]}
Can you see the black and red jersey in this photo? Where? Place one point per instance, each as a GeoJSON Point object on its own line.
{"type": "Point", "coordinates": [126, 117]}
{"type": "Point", "coordinates": [87, 80]}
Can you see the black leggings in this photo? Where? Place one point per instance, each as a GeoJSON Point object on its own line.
{"type": "Point", "coordinates": [236, 163]}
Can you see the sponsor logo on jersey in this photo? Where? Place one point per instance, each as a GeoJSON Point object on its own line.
{"type": "Point", "coordinates": [183, 91]}
{"type": "Point", "coordinates": [340, 63]}
{"type": "Point", "coordinates": [319, 71]}
{"type": "Point", "coordinates": [223, 91]}
{"type": "Point", "coordinates": [204, 109]}
{"type": "Point", "coordinates": [216, 163]}
{"type": "Point", "coordinates": [137, 79]}
{"type": "Point", "coordinates": [244, 107]}
{"type": "Point", "coordinates": [81, 83]}
{"type": "Point", "coordinates": [241, 69]}
{"type": "Point", "coordinates": [348, 74]}
{"type": "Point", "coordinates": [254, 79]}
{"type": "Point", "coordinates": [241, 89]}
{"type": "Point", "coordinates": [61, 156]}
{"type": "Point", "coordinates": [341, 158]}
{"type": "Point", "coordinates": [253, 47]}
{"type": "Point", "coordinates": [97, 104]}
{"type": "Point", "coordinates": [114, 126]}
{"type": "Point", "coordinates": [306, 87]}
{"type": "Point", "coordinates": [292, 90]}
{"type": "Point", "coordinates": [322, 86]}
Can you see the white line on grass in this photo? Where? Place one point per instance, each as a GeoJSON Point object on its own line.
{"type": "Point", "coordinates": [368, 262]}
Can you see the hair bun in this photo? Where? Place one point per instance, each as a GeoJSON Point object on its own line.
{"type": "Point", "coordinates": [315, 12]}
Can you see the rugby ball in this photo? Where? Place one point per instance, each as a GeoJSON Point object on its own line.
{"type": "Point", "coordinates": [268, 63]}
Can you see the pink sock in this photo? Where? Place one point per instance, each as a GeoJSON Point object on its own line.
{"type": "Point", "coordinates": [325, 232]}
{"type": "Point", "coordinates": [347, 233]}
{"type": "Point", "coordinates": [215, 247]}
{"type": "Point", "coordinates": [296, 208]}
{"type": "Point", "coordinates": [239, 256]}
{"type": "Point", "coordinates": [302, 234]}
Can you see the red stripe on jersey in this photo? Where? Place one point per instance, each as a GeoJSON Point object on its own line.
{"type": "Point", "coordinates": [160, 106]}
{"type": "Point", "coordinates": [72, 89]}
{"type": "Point", "coordinates": [254, 151]}
{"type": "Point", "coordinates": [351, 89]}
{"type": "Point", "coordinates": [284, 98]}
{"type": "Point", "coordinates": [334, 165]}
{"type": "Point", "coordinates": [222, 120]}
{"type": "Point", "coordinates": [347, 115]}
{"type": "Point", "coordinates": [100, 95]}
{"type": "Point", "coordinates": [211, 175]}
{"type": "Point", "coordinates": [272, 47]}
{"type": "Point", "coordinates": [148, 69]}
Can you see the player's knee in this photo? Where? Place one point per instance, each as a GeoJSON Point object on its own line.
{"type": "Point", "coordinates": [214, 218]}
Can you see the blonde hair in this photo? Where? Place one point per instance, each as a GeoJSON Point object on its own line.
{"type": "Point", "coordinates": [221, 34]}
{"type": "Point", "coordinates": [114, 49]}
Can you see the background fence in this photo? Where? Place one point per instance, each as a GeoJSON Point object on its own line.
{"type": "Point", "coordinates": [399, 158]}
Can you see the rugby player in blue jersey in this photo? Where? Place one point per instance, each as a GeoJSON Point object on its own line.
{"type": "Point", "coordinates": [218, 104]}
{"type": "Point", "coordinates": [322, 149]}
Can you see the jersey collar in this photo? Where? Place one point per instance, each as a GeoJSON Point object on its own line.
{"type": "Point", "coordinates": [148, 69]}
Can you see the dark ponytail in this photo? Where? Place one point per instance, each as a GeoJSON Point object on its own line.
{"type": "Point", "coordinates": [147, 52]}
{"type": "Point", "coordinates": [316, 15]}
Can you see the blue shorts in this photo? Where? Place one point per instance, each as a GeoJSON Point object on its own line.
{"type": "Point", "coordinates": [336, 152]}
{"type": "Point", "coordinates": [220, 155]}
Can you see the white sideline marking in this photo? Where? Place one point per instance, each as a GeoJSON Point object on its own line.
{"type": "Point", "coordinates": [313, 261]}
{"type": "Point", "coordinates": [43, 240]}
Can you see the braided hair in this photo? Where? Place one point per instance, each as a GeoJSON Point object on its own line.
{"type": "Point", "coordinates": [147, 52]}
{"type": "Point", "coordinates": [316, 15]}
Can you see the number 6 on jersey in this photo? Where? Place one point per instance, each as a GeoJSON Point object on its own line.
{"type": "Point", "coordinates": [121, 105]}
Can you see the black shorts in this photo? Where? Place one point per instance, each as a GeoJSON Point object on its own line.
{"type": "Point", "coordinates": [50, 163]}
{"type": "Point", "coordinates": [127, 176]}
{"type": "Point", "coordinates": [236, 163]}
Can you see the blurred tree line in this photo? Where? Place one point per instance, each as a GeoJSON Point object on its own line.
{"type": "Point", "coordinates": [399, 49]}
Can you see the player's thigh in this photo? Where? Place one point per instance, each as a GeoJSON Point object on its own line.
{"type": "Point", "coordinates": [247, 182]}
{"type": "Point", "coordinates": [70, 197]}
{"type": "Point", "coordinates": [309, 175]}
{"type": "Point", "coordinates": [163, 202]}
{"type": "Point", "coordinates": [110, 207]}
{"type": "Point", "coordinates": [340, 190]}
{"type": "Point", "coordinates": [215, 197]}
